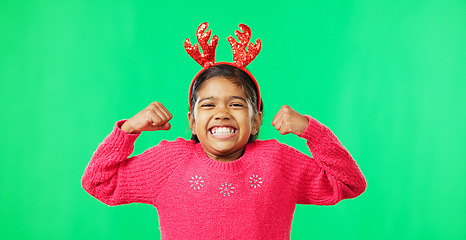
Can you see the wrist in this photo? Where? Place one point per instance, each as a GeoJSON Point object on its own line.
{"type": "Point", "coordinates": [126, 127]}
{"type": "Point", "coordinates": [303, 124]}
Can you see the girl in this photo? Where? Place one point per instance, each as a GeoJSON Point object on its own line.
{"type": "Point", "coordinates": [223, 183]}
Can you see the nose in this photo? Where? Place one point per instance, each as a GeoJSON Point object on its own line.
{"type": "Point", "coordinates": [222, 113]}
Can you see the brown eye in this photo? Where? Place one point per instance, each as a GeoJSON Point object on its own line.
{"type": "Point", "coordinates": [208, 105]}
{"type": "Point", "coordinates": [237, 105]}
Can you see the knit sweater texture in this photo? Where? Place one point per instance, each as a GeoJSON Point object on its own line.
{"type": "Point", "coordinates": [196, 197]}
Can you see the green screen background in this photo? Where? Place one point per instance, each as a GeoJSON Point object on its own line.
{"type": "Point", "coordinates": [388, 77]}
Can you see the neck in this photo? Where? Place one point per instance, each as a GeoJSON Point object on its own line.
{"type": "Point", "coordinates": [226, 158]}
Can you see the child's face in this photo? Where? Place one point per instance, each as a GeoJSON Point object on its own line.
{"type": "Point", "coordinates": [222, 120]}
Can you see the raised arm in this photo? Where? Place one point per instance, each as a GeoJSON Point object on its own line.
{"type": "Point", "coordinates": [330, 175]}
{"type": "Point", "coordinates": [115, 179]}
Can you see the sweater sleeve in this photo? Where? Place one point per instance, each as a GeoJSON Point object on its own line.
{"type": "Point", "coordinates": [115, 179]}
{"type": "Point", "coordinates": [330, 176]}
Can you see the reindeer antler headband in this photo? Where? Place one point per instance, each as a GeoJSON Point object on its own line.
{"type": "Point", "coordinates": [241, 57]}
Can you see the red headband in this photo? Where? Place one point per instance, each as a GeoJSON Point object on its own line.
{"type": "Point", "coordinates": [241, 57]}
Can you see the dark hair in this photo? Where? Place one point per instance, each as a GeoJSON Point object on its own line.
{"type": "Point", "coordinates": [237, 77]}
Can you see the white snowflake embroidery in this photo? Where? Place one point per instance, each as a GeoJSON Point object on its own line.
{"type": "Point", "coordinates": [226, 189]}
{"type": "Point", "coordinates": [255, 181]}
{"type": "Point", "coordinates": [196, 182]}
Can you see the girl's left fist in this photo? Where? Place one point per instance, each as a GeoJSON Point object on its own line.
{"type": "Point", "coordinates": [288, 121]}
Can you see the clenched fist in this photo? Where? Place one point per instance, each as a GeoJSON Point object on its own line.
{"type": "Point", "coordinates": [288, 121]}
{"type": "Point", "coordinates": [153, 118]}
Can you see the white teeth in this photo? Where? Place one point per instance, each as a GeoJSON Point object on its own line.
{"type": "Point", "coordinates": [222, 131]}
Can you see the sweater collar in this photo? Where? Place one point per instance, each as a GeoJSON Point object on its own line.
{"type": "Point", "coordinates": [230, 167]}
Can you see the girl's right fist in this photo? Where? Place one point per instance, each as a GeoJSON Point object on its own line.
{"type": "Point", "coordinates": [153, 118]}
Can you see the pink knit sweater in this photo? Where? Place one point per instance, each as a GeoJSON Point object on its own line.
{"type": "Point", "coordinates": [197, 197]}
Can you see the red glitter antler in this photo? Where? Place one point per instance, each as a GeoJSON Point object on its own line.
{"type": "Point", "coordinates": [207, 57]}
{"type": "Point", "coordinates": [241, 57]}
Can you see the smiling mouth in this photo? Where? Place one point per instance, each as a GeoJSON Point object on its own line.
{"type": "Point", "coordinates": [222, 131]}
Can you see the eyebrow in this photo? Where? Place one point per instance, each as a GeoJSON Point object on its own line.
{"type": "Point", "coordinates": [232, 97]}
{"type": "Point", "coordinates": [240, 98]}
{"type": "Point", "coordinates": [205, 99]}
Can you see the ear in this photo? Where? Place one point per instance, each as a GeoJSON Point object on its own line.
{"type": "Point", "coordinates": [256, 123]}
{"type": "Point", "coordinates": [192, 123]}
